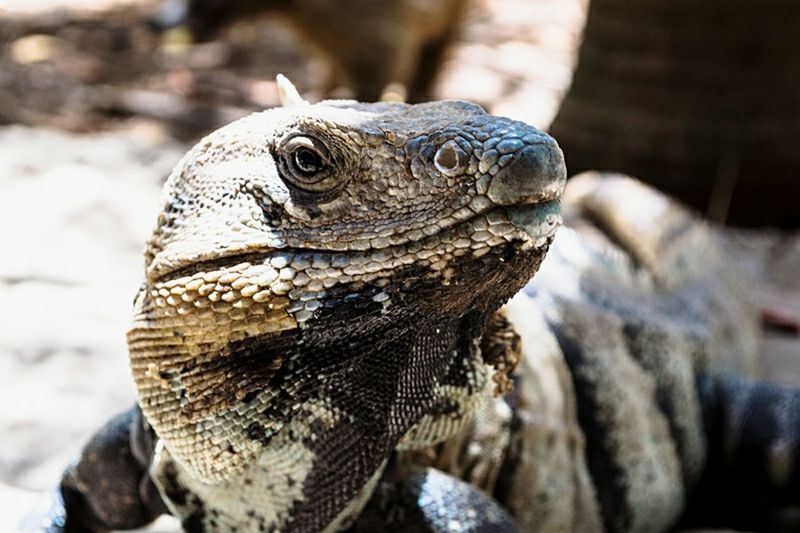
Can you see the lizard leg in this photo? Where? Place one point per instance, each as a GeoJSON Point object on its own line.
{"type": "Point", "coordinates": [753, 473]}
{"type": "Point", "coordinates": [108, 486]}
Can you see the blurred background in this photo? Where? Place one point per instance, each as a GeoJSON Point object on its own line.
{"type": "Point", "coordinates": [100, 98]}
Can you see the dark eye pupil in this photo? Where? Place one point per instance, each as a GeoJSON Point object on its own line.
{"type": "Point", "coordinates": [307, 161]}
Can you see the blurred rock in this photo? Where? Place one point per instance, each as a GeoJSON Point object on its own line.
{"type": "Point", "coordinates": [698, 98]}
{"type": "Point", "coordinates": [370, 45]}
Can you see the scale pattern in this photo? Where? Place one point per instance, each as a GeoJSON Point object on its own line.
{"type": "Point", "coordinates": [292, 330]}
{"type": "Point", "coordinates": [320, 342]}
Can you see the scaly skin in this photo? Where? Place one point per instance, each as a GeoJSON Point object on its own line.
{"type": "Point", "coordinates": [314, 341]}
{"type": "Point", "coordinates": [635, 406]}
{"type": "Point", "coordinates": [293, 329]}
{"type": "Point", "coordinates": [290, 332]}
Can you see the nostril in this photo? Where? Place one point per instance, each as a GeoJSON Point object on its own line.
{"type": "Point", "coordinates": [450, 159]}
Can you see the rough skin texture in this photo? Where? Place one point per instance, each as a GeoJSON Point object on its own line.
{"type": "Point", "coordinates": [319, 341]}
{"type": "Point", "coordinates": [294, 328]}
{"type": "Point", "coordinates": [636, 300]}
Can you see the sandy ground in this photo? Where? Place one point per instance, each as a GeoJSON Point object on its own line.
{"type": "Point", "coordinates": [75, 211]}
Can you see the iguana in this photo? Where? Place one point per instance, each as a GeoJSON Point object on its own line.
{"type": "Point", "coordinates": [320, 343]}
{"type": "Point", "coordinates": [375, 48]}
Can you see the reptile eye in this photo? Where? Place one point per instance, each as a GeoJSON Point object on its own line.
{"type": "Point", "coordinates": [307, 161]}
{"type": "Point", "coordinates": [306, 164]}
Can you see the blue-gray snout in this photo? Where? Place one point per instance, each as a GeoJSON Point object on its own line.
{"type": "Point", "coordinates": [527, 170]}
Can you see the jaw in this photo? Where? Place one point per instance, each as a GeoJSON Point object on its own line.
{"type": "Point", "coordinates": [338, 374]}
{"type": "Point", "coordinates": [412, 383]}
{"type": "Point", "coordinates": [361, 382]}
{"type": "Point", "coordinates": [470, 230]}
{"type": "Point", "coordinates": [210, 342]}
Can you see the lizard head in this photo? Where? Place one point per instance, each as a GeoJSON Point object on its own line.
{"type": "Point", "coordinates": [319, 276]}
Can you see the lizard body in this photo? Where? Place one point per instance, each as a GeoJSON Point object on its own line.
{"type": "Point", "coordinates": [319, 334]}
{"type": "Point", "coordinates": [607, 430]}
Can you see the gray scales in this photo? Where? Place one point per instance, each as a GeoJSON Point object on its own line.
{"type": "Point", "coordinates": [321, 343]}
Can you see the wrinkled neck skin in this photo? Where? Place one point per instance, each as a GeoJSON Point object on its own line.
{"type": "Point", "coordinates": [362, 378]}
{"type": "Point", "coordinates": [365, 386]}
{"type": "Point", "coordinates": [401, 371]}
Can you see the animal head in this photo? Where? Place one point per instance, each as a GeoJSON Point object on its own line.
{"type": "Point", "coordinates": [320, 273]}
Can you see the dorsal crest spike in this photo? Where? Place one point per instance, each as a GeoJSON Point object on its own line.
{"type": "Point", "coordinates": [287, 92]}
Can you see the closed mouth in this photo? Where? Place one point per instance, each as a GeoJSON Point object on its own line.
{"type": "Point", "coordinates": [536, 223]}
{"type": "Point", "coordinates": [539, 220]}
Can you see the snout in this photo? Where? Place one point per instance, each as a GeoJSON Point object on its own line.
{"type": "Point", "coordinates": [528, 170]}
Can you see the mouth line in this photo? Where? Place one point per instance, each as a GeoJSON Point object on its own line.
{"type": "Point", "coordinates": [538, 219]}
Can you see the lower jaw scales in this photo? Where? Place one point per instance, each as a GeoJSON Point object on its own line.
{"type": "Point", "coordinates": [539, 221]}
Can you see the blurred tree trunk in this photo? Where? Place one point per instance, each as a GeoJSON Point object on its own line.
{"type": "Point", "coordinates": [698, 97]}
